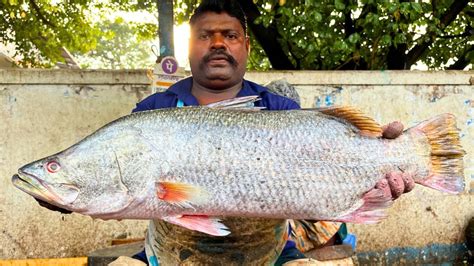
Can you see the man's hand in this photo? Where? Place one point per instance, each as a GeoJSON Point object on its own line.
{"type": "Point", "coordinates": [395, 183]}
{"type": "Point", "coordinates": [392, 130]}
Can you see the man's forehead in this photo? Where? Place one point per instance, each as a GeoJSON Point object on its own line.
{"type": "Point", "coordinates": [216, 21]}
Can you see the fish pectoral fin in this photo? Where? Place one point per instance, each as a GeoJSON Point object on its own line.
{"type": "Point", "coordinates": [241, 103]}
{"type": "Point", "coordinates": [368, 127]}
{"type": "Point", "coordinates": [181, 194]}
{"type": "Point", "coordinates": [201, 223]}
{"type": "Point", "coordinates": [372, 209]}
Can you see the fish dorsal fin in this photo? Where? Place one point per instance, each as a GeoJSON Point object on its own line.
{"type": "Point", "coordinates": [367, 126]}
{"type": "Point", "coordinates": [241, 103]}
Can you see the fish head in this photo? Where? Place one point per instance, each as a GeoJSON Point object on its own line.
{"type": "Point", "coordinates": [46, 179]}
{"type": "Point", "coordinates": [85, 178]}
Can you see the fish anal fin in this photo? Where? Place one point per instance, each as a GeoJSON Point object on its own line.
{"type": "Point", "coordinates": [368, 127]}
{"type": "Point", "coordinates": [201, 223]}
{"type": "Point", "coordinates": [181, 194]}
{"type": "Point", "coordinates": [372, 209]}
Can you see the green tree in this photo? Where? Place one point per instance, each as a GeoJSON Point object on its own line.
{"type": "Point", "coordinates": [39, 29]}
{"type": "Point", "coordinates": [120, 45]}
{"type": "Point", "coordinates": [291, 34]}
{"type": "Point", "coordinates": [359, 34]}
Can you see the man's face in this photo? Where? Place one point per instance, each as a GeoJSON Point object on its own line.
{"type": "Point", "coordinates": [218, 51]}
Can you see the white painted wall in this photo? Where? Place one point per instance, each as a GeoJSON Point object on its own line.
{"type": "Point", "coordinates": [45, 111]}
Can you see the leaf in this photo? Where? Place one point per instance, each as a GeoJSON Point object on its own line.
{"type": "Point", "coordinates": [317, 16]}
{"type": "Point", "coordinates": [399, 38]}
{"type": "Point", "coordinates": [417, 7]}
{"type": "Point", "coordinates": [339, 4]}
{"type": "Point", "coordinates": [386, 40]}
{"type": "Point", "coordinates": [354, 38]}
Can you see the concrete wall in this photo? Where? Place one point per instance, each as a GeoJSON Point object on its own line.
{"type": "Point", "coordinates": [44, 111]}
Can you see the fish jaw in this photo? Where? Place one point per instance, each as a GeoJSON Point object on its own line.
{"type": "Point", "coordinates": [40, 189]}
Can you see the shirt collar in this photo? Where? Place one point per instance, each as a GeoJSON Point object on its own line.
{"type": "Point", "coordinates": [249, 88]}
{"type": "Point", "coordinates": [182, 89]}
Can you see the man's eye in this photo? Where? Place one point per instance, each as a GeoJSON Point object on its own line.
{"type": "Point", "coordinates": [231, 36]}
{"type": "Point", "coordinates": [203, 36]}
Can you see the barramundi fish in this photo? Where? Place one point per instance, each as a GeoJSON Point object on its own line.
{"type": "Point", "coordinates": [190, 165]}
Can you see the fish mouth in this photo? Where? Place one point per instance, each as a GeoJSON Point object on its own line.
{"type": "Point", "coordinates": [35, 187]}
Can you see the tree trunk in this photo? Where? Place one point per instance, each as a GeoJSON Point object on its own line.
{"type": "Point", "coordinates": [165, 27]}
{"type": "Point", "coordinates": [267, 38]}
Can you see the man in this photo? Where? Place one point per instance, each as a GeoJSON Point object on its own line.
{"type": "Point", "coordinates": [218, 51]}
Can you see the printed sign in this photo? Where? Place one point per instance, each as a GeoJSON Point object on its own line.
{"type": "Point", "coordinates": [166, 73]}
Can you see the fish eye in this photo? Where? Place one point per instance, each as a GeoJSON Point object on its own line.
{"type": "Point", "coordinates": [53, 166]}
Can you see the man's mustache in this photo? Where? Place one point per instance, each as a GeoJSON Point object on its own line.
{"type": "Point", "coordinates": [220, 52]}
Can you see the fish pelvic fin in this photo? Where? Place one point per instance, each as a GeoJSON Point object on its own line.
{"type": "Point", "coordinates": [181, 194]}
{"type": "Point", "coordinates": [446, 156]}
{"type": "Point", "coordinates": [368, 126]}
{"type": "Point", "coordinates": [201, 223]}
{"type": "Point", "coordinates": [372, 210]}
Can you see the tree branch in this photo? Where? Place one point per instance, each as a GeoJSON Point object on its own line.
{"type": "Point", "coordinates": [468, 32]}
{"type": "Point", "coordinates": [396, 56]}
{"type": "Point", "coordinates": [462, 61]}
{"type": "Point", "coordinates": [297, 60]}
{"type": "Point", "coordinates": [416, 52]}
{"type": "Point", "coordinates": [348, 22]}
{"type": "Point", "coordinates": [40, 15]}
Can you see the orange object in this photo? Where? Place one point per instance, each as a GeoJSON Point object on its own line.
{"type": "Point", "coordinates": [81, 261]}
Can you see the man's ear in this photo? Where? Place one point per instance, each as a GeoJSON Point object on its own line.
{"type": "Point", "coordinates": [247, 44]}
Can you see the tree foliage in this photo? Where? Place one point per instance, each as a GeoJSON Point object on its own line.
{"type": "Point", "coordinates": [360, 34]}
{"type": "Point", "coordinates": [40, 28]}
{"type": "Point", "coordinates": [291, 34]}
{"type": "Point", "coordinates": [120, 45]}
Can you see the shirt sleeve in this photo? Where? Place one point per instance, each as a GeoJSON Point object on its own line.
{"type": "Point", "coordinates": [277, 102]}
{"type": "Point", "coordinates": [146, 104]}
{"type": "Point", "coordinates": [156, 101]}
{"type": "Point", "coordinates": [290, 105]}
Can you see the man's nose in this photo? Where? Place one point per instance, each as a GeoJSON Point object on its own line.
{"type": "Point", "coordinates": [217, 41]}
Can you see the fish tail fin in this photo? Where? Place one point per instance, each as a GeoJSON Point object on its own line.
{"type": "Point", "coordinates": [446, 156]}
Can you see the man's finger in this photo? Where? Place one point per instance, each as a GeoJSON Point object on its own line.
{"type": "Point", "coordinates": [392, 130]}
{"type": "Point", "coordinates": [408, 181]}
{"type": "Point", "coordinates": [395, 181]}
{"type": "Point", "coordinates": [383, 185]}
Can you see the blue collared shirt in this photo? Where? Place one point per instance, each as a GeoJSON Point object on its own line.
{"type": "Point", "coordinates": [181, 90]}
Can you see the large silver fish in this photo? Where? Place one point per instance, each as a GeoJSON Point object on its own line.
{"type": "Point", "coordinates": [189, 165]}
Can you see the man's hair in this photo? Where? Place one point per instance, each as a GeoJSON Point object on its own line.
{"type": "Point", "coordinates": [231, 7]}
